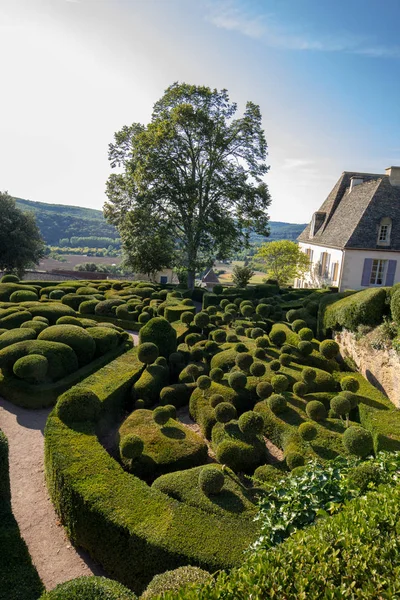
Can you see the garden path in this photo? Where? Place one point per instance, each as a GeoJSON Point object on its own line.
{"type": "Point", "coordinates": [53, 555]}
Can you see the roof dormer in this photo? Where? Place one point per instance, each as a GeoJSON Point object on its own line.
{"type": "Point", "coordinates": [384, 231]}
{"type": "Point", "coordinates": [316, 222]}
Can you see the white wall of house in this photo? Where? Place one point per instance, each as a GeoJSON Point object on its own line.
{"type": "Point", "coordinates": [166, 276]}
{"type": "Point", "coordinates": [332, 263]}
{"type": "Point", "coordinates": [353, 268]}
{"type": "Point", "coordinates": [356, 269]}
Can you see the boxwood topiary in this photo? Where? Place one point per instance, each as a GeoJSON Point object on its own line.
{"type": "Point", "coordinates": [306, 334]}
{"type": "Point", "coordinates": [106, 339]}
{"type": "Point", "coordinates": [329, 348]}
{"type": "Point", "coordinates": [274, 365]}
{"type": "Point", "coordinates": [216, 399]}
{"type": "Point", "coordinates": [8, 338]}
{"type": "Point", "coordinates": [307, 431]}
{"type": "Point", "coordinates": [172, 581]}
{"type": "Point", "coordinates": [77, 405]}
{"type": "Point", "coordinates": [76, 337]}
{"type": "Point", "coordinates": [69, 320]}
{"type": "Point", "coordinates": [237, 380]}
{"type": "Point", "coordinates": [23, 296]}
{"type": "Point", "coordinates": [37, 326]}
{"type": "Point", "coordinates": [340, 406]}
{"type": "Point", "coordinates": [159, 331]}
{"type": "Point", "coordinates": [9, 278]}
{"type": "Point", "coordinates": [225, 412]}
{"type": "Point", "coordinates": [161, 415]}
{"type": "Point", "coordinates": [264, 389]}
{"type": "Point", "coordinates": [244, 360]}
{"type": "Point", "coordinates": [358, 441]}
{"type": "Point", "coordinates": [89, 588]}
{"type": "Point", "coordinates": [308, 375]}
{"type": "Point", "coordinates": [251, 423]}
{"type": "Point", "coordinates": [131, 446]}
{"type": "Point", "coordinates": [147, 353]}
{"type": "Point", "coordinates": [277, 403]}
{"type": "Point", "coordinates": [211, 480]}
{"type": "Point", "coordinates": [300, 388]}
{"type": "Point", "coordinates": [349, 384]}
{"type": "Point", "coordinates": [316, 410]}
{"type": "Point", "coordinates": [32, 368]}
{"type": "Point", "coordinates": [62, 359]}
{"type": "Point", "coordinates": [285, 359]}
{"type": "Point", "coordinates": [257, 369]}
{"type": "Point", "coordinates": [294, 460]}
{"type": "Point", "coordinates": [305, 348]}
{"type": "Point", "coordinates": [298, 325]}
{"type": "Point", "coordinates": [277, 337]}
{"type": "Point", "coordinates": [280, 383]}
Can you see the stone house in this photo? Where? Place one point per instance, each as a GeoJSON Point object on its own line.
{"type": "Point", "coordinates": [353, 240]}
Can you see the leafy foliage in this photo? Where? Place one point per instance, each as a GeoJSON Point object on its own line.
{"type": "Point", "coordinates": [283, 260]}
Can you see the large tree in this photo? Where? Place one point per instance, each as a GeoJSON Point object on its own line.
{"type": "Point", "coordinates": [283, 260]}
{"type": "Point", "coordinates": [21, 245]}
{"type": "Point", "coordinates": [197, 169]}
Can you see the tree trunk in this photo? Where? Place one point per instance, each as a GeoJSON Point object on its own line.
{"type": "Point", "coordinates": [191, 279]}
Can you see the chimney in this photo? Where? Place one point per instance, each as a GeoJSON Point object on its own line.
{"type": "Point", "coordinates": [394, 175]}
{"type": "Point", "coordinates": [355, 180]}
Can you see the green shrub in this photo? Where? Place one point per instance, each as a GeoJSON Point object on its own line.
{"type": "Point", "coordinates": [150, 383]}
{"type": "Point", "coordinates": [8, 278]}
{"type": "Point", "coordinates": [216, 374]}
{"type": "Point", "coordinates": [257, 369]}
{"type": "Point", "coordinates": [16, 335]}
{"type": "Point", "coordinates": [262, 342]}
{"type": "Point", "coordinates": [300, 389]}
{"type": "Point", "coordinates": [89, 588]}
{"type": "Point", "coordinates": [280, 383]}
{"type": "Point", "coordinates": [159, 331]}
{"type": "Point", "coordinates": [56, 294]}
{"type": "Point", "coordinates": [358, 441]}
{"type": "Point", "coordinates": [244, 361]}
{"type": "Point", "coordinates": [294, 460]}
{"type": "Point", "coordinates": [15, 319]}
{"type": "Point", "coordinates": [298, 325]}
{"type": "Point", "coordinates": [225, 412]}
{"type": "Point", "coordinates": [285, 359]}
{"type": "Point", "coordinates": [329, 348]}
{"type": "Point", "coordinates": [147, 353]}
{"type": "Point", "coordinates": [316, 410]}
{"type": "Point", "coordinates": [268, 474]}
{"type": "Point", "coordinates": [349, 384]}
{"type": "Point", "coordinates": [395, 306]}
{"type": "Point", "coordinates": [275, 365]}
{"type": "Point", "coordinates": [211, 480]}
{"type": "Point", "coordinates": [203, 382]}
{"type": "Point", "coordinates": [251, 423]}
{"type": "Point", "coordinates": [52, 311]}
{"type": "Point", "coordinates": [305, 348]}
{"type": "Point", "coordinates": [131, 446]}
{"type": "Point", "coordinates": [340, 406]}
{"type": "Point", "coordinates": [308, 375]}
{"type": "Point", "coordinates": [23, 296]}
{"type": "Point", "coordinates": [238, 451]}
{"type": "Point", "coordinates": [174, 580]}
{"type": "Point", "coordinates": [306, 334]}
{"type": "Point", "coordinates": [363, 308]}
{"type": "Point", "coordinates": [32, 368]}
{"type": "Point", "coordinates": [37, 326]}
{"type": "Point", "coordinates": [105, 339]}
{"type": "Point", "coordinates": [76, 337]}
{"type": "Point", "coordinates": [78, 405]}
{"type": "Point", "coordinates": [277, 403]}
{"type": "Point", "coordinates": [237, 380]}
{"type": "Point", "coordinates": [307, 431]}
{"type": "Point", "coordinates": [177, 394]}
{"type": "Point", "coordinates": [366, 476]}
{"type": "Point", "coordinates": [264, 389]}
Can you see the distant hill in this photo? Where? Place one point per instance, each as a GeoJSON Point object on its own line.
{"type": "Point", "coordinates": [58, 221]}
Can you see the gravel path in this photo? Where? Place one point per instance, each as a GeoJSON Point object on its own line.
{"type": "Point", "coordinates": [53, 555]}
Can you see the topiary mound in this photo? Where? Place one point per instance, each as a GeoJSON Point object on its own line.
{"type": "Point", "coordinates": [357, 441]}
{"type": "Point", "coordinates": [239, 451]}
{"type": "Point", "coordinates": [78, 405]}
{"type": "Point", "coordinates": [316, 410]}
{"type": "Point", "coordinates": [73, 336]}
{"type": "Point", "coordinates": [277, 403]}
{"type": "Point", "coordinates": [105, 338]}
{"type": "Point", "coordinates": [89, 588]}
{"type": "Point", "coordinates": [23, 296]}
{"type": "Point", "coordinates": [172, 581]}
{"type": "Point", "coordinates": [131, 446]}
{"type": "Point", "coordinates": [211, 480]}
{"type": "Point", "coordinates": [161, 333]}
{"type": "Point", "coordinates": [32, 368]}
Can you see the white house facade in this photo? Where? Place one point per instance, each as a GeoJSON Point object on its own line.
{"type": "Point", "coordinates": [353, 240]}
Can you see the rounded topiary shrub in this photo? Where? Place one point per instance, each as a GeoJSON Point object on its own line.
{"type": "Point", "coordinates": [308, 375]}
{"type": "Point", "coordinates": [131, 446]}
{"type": "Point", "coordinates": [306, 334]}
{"type": "Point", "coordinates": [264, 310]}
{"type": "Point", "coordinates": [159, 331]}
{"type": "Point", "coordinates": [340, 406]}
{"type": "Point", "coordinates": [349, 384]}
{"type": "Point", "coordinates": [260, 354]}
{"type": "Point", "coordinates": [262, 342]}
{"type": "Point", "coordinates": [305, 348]}
{"type": "Point", "coordinates": [232, 338]}
{"type": "Point", "coordinates": [257, 369]}
{"type": "Point", "coordinates": [264, 389]}
{"type": "Point", "coordinates": [298, 325]}
{"type": "Point", "coordinates": [329, 348]}
{"type": "Point", "coordinates": [204, 382]}
{"type": "Point", "coordinates": [139, 403]}
{"type": "Point", "coordinates": [147, 353]}
{"type": "Point", "coordinates": [294, 459]}
{"type": "Point", "coordinates": [201, 320]}
{"type": "Point", "coordinates": [292, 315]}
{"type": "Point", "coordinates": [237, 380]}
{"type": "Point", "coordinates": [89, 588]}
{"type": "Point", "coordinates": [357, 441]}
{"type": "Point", "coordinates": [211, 480]}
{"type": "Point", "coordinates": [251, 423]}
{"type": "Point", "coordinates": [172, 581]}
{"type": "Point", "coordinates": [300, 388]}
{"type": "Point", "coordinates": [307, 431]}
{"type": "Point", "coordinates": [31, 368]}
{"type": "Point", "coordinates": [9, 279]}
{"type": "Point", "coordinates": [78, 404]}
{"type": "Point", "coordinates": [352, 398]}
{"type": "Point", "coordinates": [219, 336]}
{"type": "Point", "coordinates": [56, 294]}
{"type": "Point", "coordinates": [218, 289]}
{"type": "Point", "coordinates": [285, 359]}
{"type": "Point", "coordinates": [240, 347]}
{"type": "Point", "coordinates": [217, 374]}
{"type": "Point", "coordinates": [277, 403]}
{"type": "Point", "coordinates": [275, 365]}
{"type": "Point", "coordinates": [268, 474]}
{"type": "Point", "coordinates": [316, 410]}
{"type": "Point", "coordinates": [38, 326]}
{"type": "Point", "coordinates": [73, 336]}
{"type": "Point", "coordinates": [161, 415]}
{"type": "Point", "coordinates": [366, 476]}
{"type": "Point", "coordinates": [256, 333]}
{"type": "Point", "coordinates": [105, 338]}
{"type": "Point", "coordinates": [244, 360]}
{"type": "Point", "coordinates": [144, 317]}
{"type": "Point", "coordinates": [280, 383]}
{"type": "Point", "coordinates": [225, 412]}
{"type": "Point", "coordinates": [171, 409]}
{"type": "Point", "coordinates": [23, 296]}
{"type": "Point", "coordinates": [193, 371]}
{"type": "Point", "coordinates": [187, 317]}
{"type": "Point", "coordinates": [216, 399]}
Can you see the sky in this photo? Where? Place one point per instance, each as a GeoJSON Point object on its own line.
{"type": "Point", "coordinates": [325, 74]}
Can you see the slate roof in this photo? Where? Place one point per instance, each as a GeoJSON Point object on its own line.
{"type": "Point", "coordinates": [352, 219]}
{"type": "Point", "coordinates": [210, 277]}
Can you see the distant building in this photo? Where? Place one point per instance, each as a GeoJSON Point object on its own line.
{"type": "Point", "coordinates": [353, 240]}
{"type": "Point", "coordinates": [210, 279]}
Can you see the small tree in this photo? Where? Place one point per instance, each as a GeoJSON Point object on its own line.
{"type": "Point", "coordinates": [21, 245]}
{"type": "Point", "coordinates": [241, 276]}
{"type": "Point", "coordinates": [283, 260]}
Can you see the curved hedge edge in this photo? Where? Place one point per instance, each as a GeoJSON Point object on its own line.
{"type": "Point", "coordinates": [40, 396]}
{"type": "Point", "coordinates": [19, 579]}
{"type": "Point", "coordinates": [129, 325]}
{"type": "Point", "coordinates": [352, 554]}
{"type": "Point", "coordinates": [89, 588]}
{"type": "Point", "coordinates": [134, 532]}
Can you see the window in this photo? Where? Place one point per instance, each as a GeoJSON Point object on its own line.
{"type": "Point", "coordinates": [377, 272]}
{"type": "Point", "coordinates": [324, 264]}
{"type": "Point", "coordinates": [163, 279]}
{"type": "Point", "coordinates": [335, 270]}
{"type": "Point", "coordinates": [384, 230]}
{"type": "Point", "coordinates": [310, 253]}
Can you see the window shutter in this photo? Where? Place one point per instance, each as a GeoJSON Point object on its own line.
{"type": "Point", "coordinates": [366, 275]}
{"type": "Point", "coordinates": [391, 270]}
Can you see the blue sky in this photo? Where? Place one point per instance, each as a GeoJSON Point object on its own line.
{"type": "Point", "coordinates": [326, 75]}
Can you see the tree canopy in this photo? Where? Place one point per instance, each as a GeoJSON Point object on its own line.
{"type": "Point", "coordinates": [21, 245]}
{"type": "Point", "coordinates": [196, 170]}
{"type": "Point", "coordinates": [283, 261]}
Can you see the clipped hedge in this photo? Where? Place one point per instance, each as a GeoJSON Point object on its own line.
{"type": "Point", "coordinates": [89, 588]}
{"type": "Point", "coordinates": [362, 308]}
{"type": "Point", "coordinates": [133, 531]}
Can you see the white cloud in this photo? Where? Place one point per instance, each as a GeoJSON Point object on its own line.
{"type": "Point", "coordinates": [233, 15]}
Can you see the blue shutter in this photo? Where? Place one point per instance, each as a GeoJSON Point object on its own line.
{"type": "Point", "coordinates": [391, 272]}
{"type": "Point", "coordinates": [366, 275]}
